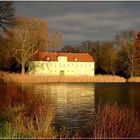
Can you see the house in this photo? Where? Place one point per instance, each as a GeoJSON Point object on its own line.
{"type": "Point", "coordinates": [59, 63]}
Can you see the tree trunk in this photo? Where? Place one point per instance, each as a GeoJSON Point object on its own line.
{"type": "Point", "coordinates": [131, 74]}
{"type": "Point", "coordinates": [23, 68]}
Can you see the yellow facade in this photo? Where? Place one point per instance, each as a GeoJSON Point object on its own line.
{"type": "Point", "coordinates": [62, 67]}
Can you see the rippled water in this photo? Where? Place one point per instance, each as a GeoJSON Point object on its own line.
{"type": "Point", "coordinates": [75, 103]}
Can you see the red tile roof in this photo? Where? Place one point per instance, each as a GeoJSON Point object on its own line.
{"type": "Point", "coordinates": [53, 56]}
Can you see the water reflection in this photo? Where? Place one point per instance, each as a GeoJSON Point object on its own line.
{"type": "Point", "coordinates": [126, 94]}
{"type": "Point", "coordinates": [74, 103]}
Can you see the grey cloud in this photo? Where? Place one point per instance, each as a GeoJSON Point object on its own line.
{"type": "Point", "coordinates": [45, 8]}
{"type": "Point", "coordinates": [84, 20]}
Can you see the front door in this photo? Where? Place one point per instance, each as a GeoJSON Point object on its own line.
{"type": "Point", "coordinates": [62, 72]}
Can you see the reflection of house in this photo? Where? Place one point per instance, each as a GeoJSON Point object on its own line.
{"type": "Point", "coordinates": [54, 63]}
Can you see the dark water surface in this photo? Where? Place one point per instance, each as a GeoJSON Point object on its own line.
{"type": "Point", "coordinates": [75, 103]}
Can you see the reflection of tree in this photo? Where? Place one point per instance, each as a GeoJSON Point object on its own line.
{"type": "Point", "coordinates": [112, 93]}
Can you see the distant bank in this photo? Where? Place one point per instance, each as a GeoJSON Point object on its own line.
{"type": "Point", "coordinates": [134, 79]}
{"type": "Point", "coordinates": [28, 78]}
{"type": "Point", "coordinates": [17, 78]}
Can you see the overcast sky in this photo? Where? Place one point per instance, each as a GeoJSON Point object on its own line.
{"type": "Point", "coordinates": [80, 21]}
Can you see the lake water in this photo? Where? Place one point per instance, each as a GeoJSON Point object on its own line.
{"type": "Point", "coordinates": [75, 103]}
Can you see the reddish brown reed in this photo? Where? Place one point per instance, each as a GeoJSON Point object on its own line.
{"type": "Point", "coordinates": [28, 114]}
{"type": "Point", "coordinates": [113, 121]}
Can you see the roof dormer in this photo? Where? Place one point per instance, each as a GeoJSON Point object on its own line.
{"type": "Point", "coordinates": [75, 59]}
{"type": "Point", "coordinates": [48, 58]}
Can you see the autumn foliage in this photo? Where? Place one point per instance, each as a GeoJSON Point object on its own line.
{"type": "Point", "coordinates": [27, 36]}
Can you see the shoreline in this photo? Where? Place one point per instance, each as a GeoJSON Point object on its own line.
{"type": "Point", "coordinates": [28, 78]}
{"type": "Point", "coordinates": [134, 80]}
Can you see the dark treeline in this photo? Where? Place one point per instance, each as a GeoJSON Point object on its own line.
{"type": "Point", "coordinates": [112, 57]}
{"type": "Point", "coordinates": [7, 14]}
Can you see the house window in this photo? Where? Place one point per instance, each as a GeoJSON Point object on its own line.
{"type": "Point", "coordinates": [36, 64]}
{"type": "Point", "coordinates": [48, 58]}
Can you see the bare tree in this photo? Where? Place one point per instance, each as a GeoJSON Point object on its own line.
{"type": "Point", "coordinates": [125, 44]}
{"type": "Point", "coordinates": [26, 38]}
{"type": "Point", "coordinates": [69, 48]}
{"type": "Point", "coordinates": [55, 39]}
{"type": "Point", "coordinates": [6, 14]}
{"type": "Point", "coordinates": [136, 54]}
{"type": "Point", "coordinates": [110, 59]}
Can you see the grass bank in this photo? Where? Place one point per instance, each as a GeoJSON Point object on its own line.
{"type": "Point", "coordinates": [134, 79]}
{"type": "Point", "coordinates": [18, 78]}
